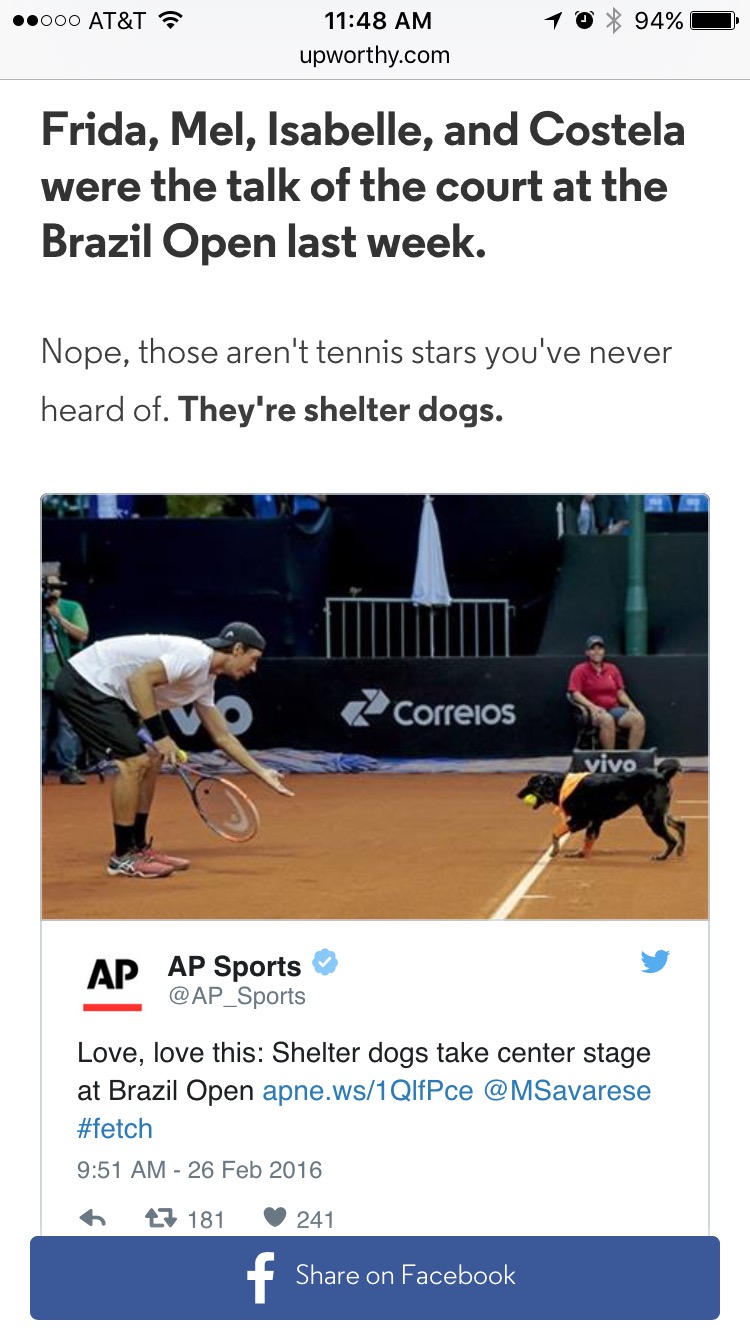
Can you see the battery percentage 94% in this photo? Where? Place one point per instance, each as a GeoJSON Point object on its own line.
{"type": "Point", "coordinates": [661, 19]}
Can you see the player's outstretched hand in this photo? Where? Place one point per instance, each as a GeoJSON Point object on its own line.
{"type": "Point", "coordinates": [273, 778]}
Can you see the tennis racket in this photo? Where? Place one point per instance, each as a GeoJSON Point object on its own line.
{"type": "Point", "coordinates": [223, 806]}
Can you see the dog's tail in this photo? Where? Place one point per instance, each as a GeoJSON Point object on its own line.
{"type": "Point", "coordinates": [668, 768]}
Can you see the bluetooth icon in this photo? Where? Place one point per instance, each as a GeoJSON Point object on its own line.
{"type": "Point", "coordinates": [614, 21]}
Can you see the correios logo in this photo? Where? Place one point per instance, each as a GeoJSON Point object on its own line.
{"type": "Point", "coordinates": [408, 713]}
{"type": "Point", "coordinates": [357, 712]}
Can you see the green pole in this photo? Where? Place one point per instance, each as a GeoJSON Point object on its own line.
{"type": "Point", "coordinates": [636, 600]}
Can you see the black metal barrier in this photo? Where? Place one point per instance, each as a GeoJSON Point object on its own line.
{"type": "Point", "coordinates": [510, 707]}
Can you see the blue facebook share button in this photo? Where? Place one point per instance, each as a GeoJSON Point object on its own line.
{"type": "Point", "coordinates": [371, 1278]}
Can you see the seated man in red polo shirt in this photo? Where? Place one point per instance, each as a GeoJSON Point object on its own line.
{"type": "Point", "coordinates": [598, 686]}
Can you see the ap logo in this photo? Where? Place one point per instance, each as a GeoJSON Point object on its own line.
{"type": "Point", "coordinates": [357, 711]}
{"type": "Point", "coordinates": [124, 971]}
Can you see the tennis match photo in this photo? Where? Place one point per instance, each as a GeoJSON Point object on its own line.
{"type": "Point", "coordinates": [374, 707]}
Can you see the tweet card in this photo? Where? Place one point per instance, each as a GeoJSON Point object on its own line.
{"type": "Point", "coordinates": [386, 865]}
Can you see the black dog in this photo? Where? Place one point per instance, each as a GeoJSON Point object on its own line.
{"type": "Point", "coordinates": [586, 801]}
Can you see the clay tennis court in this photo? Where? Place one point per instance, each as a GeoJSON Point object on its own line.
{"type": "Point", "coordinates": [375, 846]}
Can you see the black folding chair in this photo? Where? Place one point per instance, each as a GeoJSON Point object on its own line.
{"type": "Point", "coordinates": [587, 732]}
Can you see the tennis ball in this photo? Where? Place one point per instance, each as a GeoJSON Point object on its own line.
{"type": "Point", "coordinates": [529, 799]}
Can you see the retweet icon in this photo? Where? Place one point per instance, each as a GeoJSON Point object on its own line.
{"type": "Point", "coordinates": [653, 963]}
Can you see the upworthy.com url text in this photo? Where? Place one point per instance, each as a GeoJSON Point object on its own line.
{"type": "Point", "coordinates": [372, 55]}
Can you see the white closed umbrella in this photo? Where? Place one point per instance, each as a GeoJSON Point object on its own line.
{"type": "Point", "coordinates": [430, 582]}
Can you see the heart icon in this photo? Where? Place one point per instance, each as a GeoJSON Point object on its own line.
{"type": "Point", "coordinates": [274, 1216]}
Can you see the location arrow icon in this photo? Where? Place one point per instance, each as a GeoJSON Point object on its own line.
{"type": "Point", "coordinates": [554, 19]}
{"type": "Point", "coordinates": [90, 1217]}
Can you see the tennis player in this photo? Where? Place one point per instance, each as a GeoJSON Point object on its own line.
{"type": "Point", "coordinates": [117, 685]}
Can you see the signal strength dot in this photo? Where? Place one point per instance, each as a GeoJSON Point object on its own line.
{"type": "Point", "coordinates": [170, 17]}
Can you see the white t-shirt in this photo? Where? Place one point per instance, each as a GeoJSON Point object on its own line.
{"type": "Point", "coordinates": [108, 664]}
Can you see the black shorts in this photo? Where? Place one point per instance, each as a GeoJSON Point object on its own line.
{"type": "Point", "coordinates": [106, 726]}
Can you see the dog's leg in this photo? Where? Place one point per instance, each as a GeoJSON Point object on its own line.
{"type": "Point", "coordinates": [663, 856]}
{"type": "Point", "coordinates": [587, 847]}
{"type": "Point", "coordinates": [558, 833]}
{"type": "Point", "coordinates": [655, 813]}
{"type": "Point", "coordinates": [657, 822]}
{"type": "Point", "coordinates": [680, 828]}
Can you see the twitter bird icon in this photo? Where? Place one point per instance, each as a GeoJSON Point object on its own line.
{"type": "Point", "coordinates": [653, 963]}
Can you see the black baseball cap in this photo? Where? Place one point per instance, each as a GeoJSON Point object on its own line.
{"type": "Point", "coordinates": [593, 640]}
{"type": "Point", "coordinates": [238, 632]}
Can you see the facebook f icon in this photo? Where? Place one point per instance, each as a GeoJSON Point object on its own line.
{"type": "Point", "coordinates": [259, 1274]}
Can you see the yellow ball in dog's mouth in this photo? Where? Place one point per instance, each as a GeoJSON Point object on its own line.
{"type": "Point", "coordinates": [529, 799]}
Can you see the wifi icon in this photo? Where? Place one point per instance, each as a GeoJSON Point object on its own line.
{"type": "Point", "coordinates": [170, 17]}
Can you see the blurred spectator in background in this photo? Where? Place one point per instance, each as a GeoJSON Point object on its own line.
{"type": "Point", "coordinates": [589, 515]}
{"type": "Point", "coordinates": [64, 631]}
{"type": "Point", "coordinates": [585, 516]}
{"type": "Point", "coordinates": [110, 507]}
{"type": "Point", "coordinates": [104, 506]}
{"type": "Point", "coordinates": [64, 507]}
{"type": "Point", "coordinates": [611, 514]}
{"type": "Point", "coordinates": [306, 508]}
{"type": "Point", "coordinates": [252, 507]}
{"type": "Point", "coordinates": [195, 507]}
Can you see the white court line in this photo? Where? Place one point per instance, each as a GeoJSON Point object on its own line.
{"type": "Point", "coordinates": [521, 890]}
{"type": "Point", "coordinates": [524, 885]}
{"type": "Point", "coordinates": [687, 817]}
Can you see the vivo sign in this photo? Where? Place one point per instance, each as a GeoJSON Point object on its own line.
{"type": "Point", "coordinates": [408, 713]}
{"type": "Point", "coordinates": [609, 764]}
{"type": "Point", "coordinates": [237, 714]}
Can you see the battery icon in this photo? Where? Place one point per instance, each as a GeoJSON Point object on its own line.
{"type": "Point", "coordinates": [713, 20]}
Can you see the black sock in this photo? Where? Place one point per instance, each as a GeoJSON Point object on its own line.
{"type": "Point", "coordinates": [139, 829]}
{"type": "Point", "coordinates": [124, 839]}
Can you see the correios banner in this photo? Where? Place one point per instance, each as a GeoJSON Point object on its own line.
{"type": "Point", "coordinates": [457, 708]}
